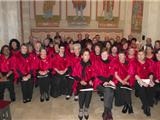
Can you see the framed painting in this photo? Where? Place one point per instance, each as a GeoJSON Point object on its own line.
{"type": "Point", "coordinates": [47, 13]}
{"type": "Point", "coordinates": [78, 12]}
{"type": "Point", "coordinates": [107, 13]}
{"type": "Point", "coordinates": [137, 15]}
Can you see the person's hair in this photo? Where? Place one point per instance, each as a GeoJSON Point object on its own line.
{"type": "Point", "coordinates": [113, 47]}
{"type": "Point", "coordinates": [105, 50]}
{"type": "Point", "coordinates": [24, 44]}
{"type": "Point", "coordinates": [98, 45]}
{"type": "Point", "coordinates": [85, 50]}
{"type": "Point", "coordinates": [77, 45]}
{"type": "Point", "coordinates": [122, 52]}
{"type": "Point", "coordinates": [2, 49]}
{"type": "Point", "coordinates": [141, 50]}
{"type": "Point", "coordinates": [134, 39]}
{"type": "Point", "coordinates": [16, 41]}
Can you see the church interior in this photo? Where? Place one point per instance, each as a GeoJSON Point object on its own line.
{"type": "Point", "coordinates": [34, 21]}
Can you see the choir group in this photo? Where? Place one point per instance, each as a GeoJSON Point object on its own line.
{"type": "Point", "coordinates": [112, 67]}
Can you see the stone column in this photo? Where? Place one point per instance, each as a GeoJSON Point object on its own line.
{"type": "Point", "coordinates": [12, 18]}
{"type": "Point", "coordinates": [93, 23]}
{"type": "Point", "coordinates": [63, 22]}
{"type": "Point", "coordinates": [127, 20]}
{"type": "Point", "coordinates": [151, 20]}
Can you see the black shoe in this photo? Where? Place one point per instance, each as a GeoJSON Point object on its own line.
{"type": "Point", "coordinates": [47, 97]}
{"type": "Point", "coordinates": [125, 108]}
{"type": "Point", "coordinates": [13, 100]}
{"type": "Point", "coordinates": [147, 111]}
{"type": "Point", "coordinates": [101, 98]}
{"type": "Point", "coordinates": [24, 101]}
{"type": "Point", "coordinates": [86, 114]}
{"type": "Point", "coordinates": [42, 98]}
{"type": "Point", "coordinates": [28, 100]}
{"type": "Point", "coordinates": [130, 109]}
{"type": "Point", "coordinates": [68, 97]}
{"type": "Point", "coordinates": [80, 115]}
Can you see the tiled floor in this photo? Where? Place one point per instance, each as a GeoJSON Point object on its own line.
{"type": "Point", "coordinates": [60, 109]}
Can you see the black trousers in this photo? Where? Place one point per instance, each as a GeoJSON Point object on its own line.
{"type": "Point", "coordinates": [58, 86]}
{"type": "Point", "coordinates": [122, 96]}
{"type": "Point", "coordinates": [44, 84]}
{"type": "Point", "coordinates": [69, 85]}
{"type": "Point", "coordinates": [108, 97]}
{"type": "Point", "coordinates": [157, 91]}
{"type": "Point", "coordinates": [27, 89]}
{"type": "Point", "coordinates": [146, 95]}
{"type": "Point", "coordinates": [85, 99]}
{"type": "Point", "coordinates": [7, 85]}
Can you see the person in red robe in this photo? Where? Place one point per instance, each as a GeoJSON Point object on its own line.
{"type": "Point", "coordinates": [43, 75]}
{"type": "Point", "coordinates": [145, 89]}
{"type": "Point", "coordinates": [7, 70]}
{"type": "Point", "coordinates": [74, 60]}
{"type": "Point", "coordinates": [61, 66]}
{"type": "Point", "coordinates": [157, 76]}
{"type": "Point", "coordinates": [25, 73]}
{"type": "Point", "coordinates": [104, 82]}
{"type": "Point", "coordinates": [83, 72]}
{"type": "Point", "coordinates": [14, 46]}
{"type": "Point", "coordinates": [122, 74]}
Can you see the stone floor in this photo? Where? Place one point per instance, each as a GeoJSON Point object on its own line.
{"type": "Point", "coordinates": [60, 109]}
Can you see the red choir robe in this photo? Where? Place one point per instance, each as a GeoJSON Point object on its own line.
{"type": "Point", "coordinates": [123, 70]}
{"type": "Point", "coordinates": [7, 65]}
{"type": "Point", "coordinates": [157, 70]}
{"type": "Point", "coordinates": [86, 74]}
{"type": "Point", "coordinates": [23, 65]}
{"type": "Point", "coordinates": [143, 70]}
{"type": "Point", "coordinates": [74, 60]}
{"type": "Point", "coordinates": [61, 63]}
{"type": "Point", "coordinates": [44, 64]}
{"type": "Point", "coordinates": [103, 72]}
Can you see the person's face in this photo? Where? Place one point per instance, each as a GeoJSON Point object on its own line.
{"type": "Point", "coordinates": [87, 36]}
{"type": "Point", "coordinates": [46, 42]}
{"type": "Point", "coordinates": [158, 56]}
{"type": "Point", "coordinates": [24, 49]}
{"type": "Point", "coordinates": [97, 37]}
{"type": "Point", "coordinates": [125, 46]}
{"type": "Point", "coordinates": [157, 45]}
{"type": "Point", "coordinates": [89, 46]}
{"type": "Point", "coordinates": [148, 41]}
{"type": "Point", "coordinates": [149, 50]}
{"type": "Point", "coordinates": [114, 50]}
{"type": "Point", "coordinates": [79, 36]}
{"type": "Point", "coordinates": [108, 45]}
{"type": "Point", "coordinates": [71, 46]}
{"type": "Point", "coordinates": [51, 45]}
{"type": "Point", "coordinates": [131, 52]}
{"type": "Point", "coordinates": [62, 49]}
{"type": "Point", "coordinates": [14, 45]}
{"type": "Point", "coordinates": [141, 56]}
{"type": "Point", "coordinates": [6, 51]}
{"type": "Point", "coordinates": [104, 55]}
{"type": "Point", "coordinates": [94, 41]}
{"type": "Point", "coordinates": [86, 56]}
{"type": "Point", "coordinates": [43, 54]}
{"type": "Point", "coordinates": [76, 50]}
{"type": "Point", "coordinates": [37, 46]}
{"type": "Point", "coordinates": [97, 49]}
{"type": "Point", "coordinates": [121, 57]}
